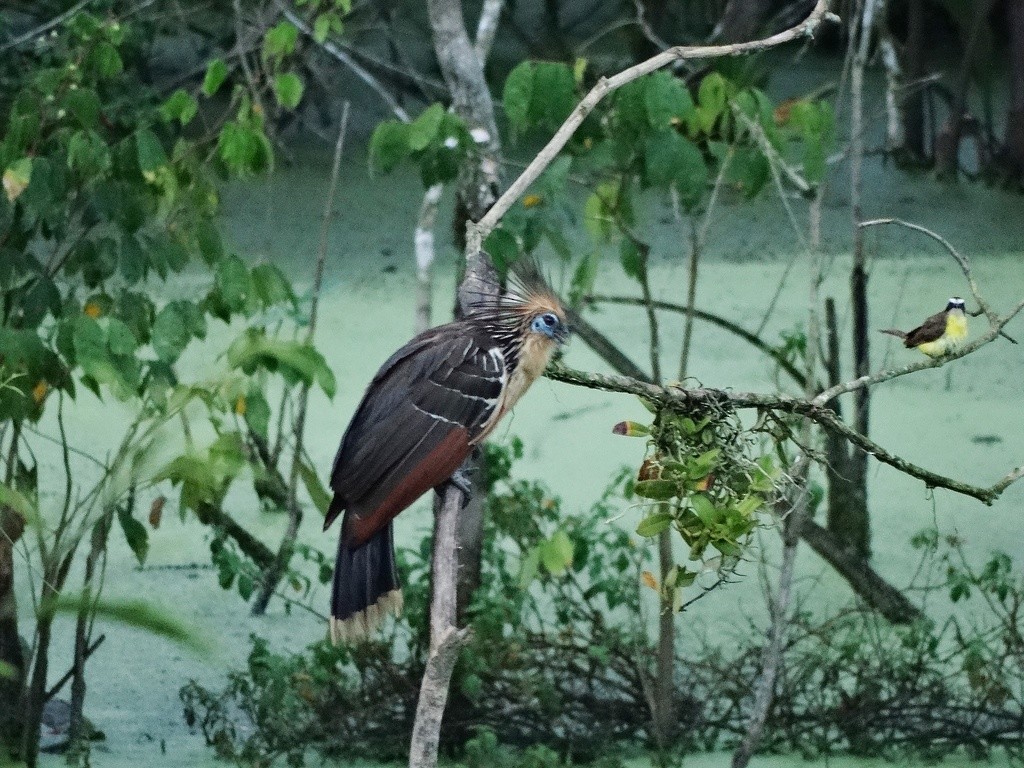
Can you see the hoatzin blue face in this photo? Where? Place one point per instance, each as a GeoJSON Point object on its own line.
{"type": "Point", "coordinates": [551, 326]}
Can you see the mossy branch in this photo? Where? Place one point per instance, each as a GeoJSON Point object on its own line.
{"type": "Point", "coordinates": [699, 399]}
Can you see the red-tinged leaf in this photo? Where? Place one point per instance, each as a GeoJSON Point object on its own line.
{"type": "Point", "coordinates": [156, 511]}
{"type": "Point", "coordinates": [631, 429]}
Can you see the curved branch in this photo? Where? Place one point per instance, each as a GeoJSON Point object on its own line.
{"type": "Point", "coordinates": [708, 317]}
{"type": "Point", "coordinates": [965, 264]}
{"type": "Point", "coordinates": [686, 400]}
{"type": "Point", "coordinates": [476, 232]}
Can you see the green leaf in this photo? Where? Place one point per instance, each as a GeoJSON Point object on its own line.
{"type": "Point", "coordinates": [632, 258]}
{"type": "Point", "coordinates": [556, 553]}
{"type": "Point", "coordinates": [659, 490]}
{"type": "Point", "coordinates": [271, 286]}
{"type": "Point", "coordinates": [180, 106]}
{"type": "Point", "coordinates": [324, 24]}
{"type": "Point", "coordinates": [105, 61]}
{"type": "Point", "coordinates": [503, 249]}
{"type": "Point", "coordinates": [288, 89]}
{"type": "Point", "coordinates": [667, 100]}
{"type": "Point", "coordinates": [150, 153]}
{"type": "Point", "coordinates": [654, 523]}
{"type": "Point", "coordinates": [175, 325]}
{"type": "Point", "coordinates": [17, 177]}
{"type": "Point", "coordinates": [631, 429]}
{"type": "Point", "coordinates": [553, 94]}
{"type": "Point", "coordinates": [583, 277]}
{"type": "Point", "coordinates": [234, 283]}
{"type": "Point", "coordinates": [253, 349]}
{"type": "Point", "coordinates": [280, 40]}
{"type": "Point", "coordinates": [529, 567]}
{"type": "Point", "coordinates": [17, 501]}
{"type": "Point", "coordinates": [120, 338]}
{"type": "Point", "coordinates": [137, 614]}
{"type": "Point", "coordinates": [257, 413]}
{"type": "Point", "coordinates": [517, 96]}
{"type": "Point", "coordinates": [389, 145]}
{"type": "Point", "coordinates": [84, 105]}
{"type": "Point", "coordinates": [134, 533]}
{"type": "Point", "coordinates": [704, 509]}
{"type": "Point", "coordinates": [713, 93]}
{"type": "Point", "coordinates": [316, 490]}
{"type": "Point", "coordinates": [423, 130]}
{"type": "Point", "coordinates": [216, 74]}
{"type": "Point", "coordinates": [672, 159]}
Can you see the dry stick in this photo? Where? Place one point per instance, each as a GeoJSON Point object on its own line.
{"type": "Point", "coordinates": [476, 232]}
{"type": "Point", "coordinates": [42, 29]}
{"type": "Point", "coordinates": [695, 399]}
{"type": "Point", "coordinates": [273, 576]}
{"type": "Point", "coordinates": [764, 689]}
{"type": "Point", "coordinates": [445, 638]}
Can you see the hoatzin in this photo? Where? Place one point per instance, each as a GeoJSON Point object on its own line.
{"type": "Point", "coordinates": [428, 405]}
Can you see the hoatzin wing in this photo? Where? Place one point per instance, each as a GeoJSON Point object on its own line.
{"type": "Point", "coordinates": [416, 424]}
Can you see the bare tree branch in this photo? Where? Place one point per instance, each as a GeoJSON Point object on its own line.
{"type": "Point", "coordinates": [42, 29]}
{"type": "Point", "coordinates": [476, 232]}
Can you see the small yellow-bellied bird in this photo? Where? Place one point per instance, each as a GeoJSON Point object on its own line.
{"type": "Point", "coordinates": [940, 334]}
{"type": "Point", "coordinates": [428, 405]}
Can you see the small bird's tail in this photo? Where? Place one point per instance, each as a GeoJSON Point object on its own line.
{"type": "Point", "coordinates": [894, 332]}
{"type": "Point", "coordinates": [365, 587]}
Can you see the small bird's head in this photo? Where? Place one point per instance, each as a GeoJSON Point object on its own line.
{"type": "Point", "coordinates": [955, 303]}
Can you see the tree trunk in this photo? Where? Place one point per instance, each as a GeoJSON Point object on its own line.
{"type": "Point", "coordinates": [11, 651]}
{"type": "Point", "coordinates": [947, 142]}
{"type": "Point", "coordinates": [854, 526]}
{"type": "Point", "coordinates": [913, 69]}
{"type": "Point", "coordinates": [1013, 144]}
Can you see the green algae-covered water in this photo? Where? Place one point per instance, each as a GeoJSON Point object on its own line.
{"type": "Point", "coordinates": [965, 419]}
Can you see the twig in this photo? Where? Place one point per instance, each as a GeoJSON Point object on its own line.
{"type": "Point", "coordinates": [487, 27]}
{"type": "Point", "coordinates": [476, 232]}
{"type": "Point", "coordinates": [42, 29]}
{"type": "Point", "coordinates": [764, 691]}
{"type": "Point", "coordinates": [67, 675]}
{"type": "Point", "coordinates": [272, 576]}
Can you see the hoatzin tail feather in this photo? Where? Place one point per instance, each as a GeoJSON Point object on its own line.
{"type": "Point", "coordinates": [365, 587]}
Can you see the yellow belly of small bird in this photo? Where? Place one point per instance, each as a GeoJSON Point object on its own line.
{"type": "Point", "coordinates": [956, 332]}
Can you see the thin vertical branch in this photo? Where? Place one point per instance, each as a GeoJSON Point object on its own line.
{"type": "Point", "coordinates": [764, 690]}
{"type": "Point", "coordinates": [423, 239]}
{"type": "Point", "coordinates": [445, 638]}
{"type": "Point", "coordinates": [273, 575]}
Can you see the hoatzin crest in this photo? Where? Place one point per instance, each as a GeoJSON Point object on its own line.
{"type": "Point", "coordinates": [940, 334]}
{"type": "Point", "coordinates": [428, 405]}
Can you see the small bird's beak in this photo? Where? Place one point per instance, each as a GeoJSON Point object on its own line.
{"type": "Point", "coordinates": [562, 334]}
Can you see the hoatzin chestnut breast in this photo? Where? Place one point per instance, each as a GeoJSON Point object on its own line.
{"type": "Point", "coordinates": [428, 405]}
